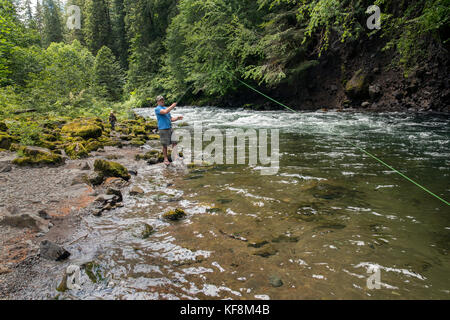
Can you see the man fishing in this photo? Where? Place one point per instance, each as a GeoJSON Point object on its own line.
{"type": "Point", "coordinates": [165, 126]}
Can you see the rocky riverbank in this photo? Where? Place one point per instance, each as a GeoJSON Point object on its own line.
{"type": "Point", "coordinates": [46, 193]}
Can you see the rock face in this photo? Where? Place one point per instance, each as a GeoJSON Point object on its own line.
{"type": "Point", "coordinates": [52, 251]}
{"type": "Point", "coordinates": [111, 169]}
{"type": "Point", "coordinates": [26, 220]}
{"type": "Point", "coordinates": [357, 87]}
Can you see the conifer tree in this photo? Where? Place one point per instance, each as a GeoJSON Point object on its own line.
{"type": "Point", "coordinates": [108, 76]}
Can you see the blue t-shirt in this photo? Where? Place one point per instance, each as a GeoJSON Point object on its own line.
{"type": "Point", "coordinates": [164, 120]}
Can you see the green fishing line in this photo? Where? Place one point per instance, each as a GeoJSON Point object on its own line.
{"type": "Point", "coordinates": [361, 149]}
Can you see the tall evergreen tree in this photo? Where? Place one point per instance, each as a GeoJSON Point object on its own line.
{"type": "Point", "coordinates": [76, 34]}
{"type": "Point", "coordinates": [120, 46]}
{"type": "Point", "coordinates": [52, 26]}
{"type": "Point", "coordinates": [97, 30]}
{"type": "Point", "coordinates": [108, 76]}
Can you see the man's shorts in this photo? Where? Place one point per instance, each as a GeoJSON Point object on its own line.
{"type": "Point", "coordinates": [167, 137]}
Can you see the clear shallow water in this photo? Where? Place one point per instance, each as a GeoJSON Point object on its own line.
{"type": "Point", "coordinates": [328, 216]}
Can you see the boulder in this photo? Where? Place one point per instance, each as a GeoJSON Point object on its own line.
{"type": "Point", "coordinates": [3, 127]}
{"type": "Point", "coordinates": [136, 191]}
{"type": "Point", "coordinates": [52, 251]}
{"type": "Point", "coordinates": [83, 128]}
{"type": "Point", "coordinates": [357, 87]}
{"type": "Point", "coordinates": [174, 215]}
{"type": "Point", "coordinates": [111, 169]}
{"type": "Point", "coordinates": [5, 141]}
{"type": "Point", "coordinates": [76, 150]}
{"type": "Point", "coordinates": [115, 192]}
{"type": "Point", "coordinates": [35, 156]}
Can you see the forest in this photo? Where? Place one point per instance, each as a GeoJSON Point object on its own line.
{"type": "Point", "coordinates": [128, 51]}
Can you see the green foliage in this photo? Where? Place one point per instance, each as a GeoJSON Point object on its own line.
{"type": "Point", "coordinates": [29, 131]}
{"type": "Point", "coordinates": [52, 26]}
{"type": "Point", "coordinates": [108, 76]}
{"type": "Point", "coordinates": [97, 29]}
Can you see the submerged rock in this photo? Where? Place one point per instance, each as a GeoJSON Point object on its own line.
{"type": "Point", "coordinates": [276, 281]}
{"type": "Point", "coordinates": [136, 191]}
{"type": "Point", "coordinates": [52, 251]}
{"type": "Point", "coordinates": [266, 251]}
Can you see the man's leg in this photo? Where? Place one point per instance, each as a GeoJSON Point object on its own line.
{"type": "Point", "coordinates": [166, 159]}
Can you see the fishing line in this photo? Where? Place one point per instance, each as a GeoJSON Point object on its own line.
{"type": "Point", "coordinates": [355, 146]}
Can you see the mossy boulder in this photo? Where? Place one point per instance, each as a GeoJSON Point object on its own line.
{"type": "Point", "coordinates": [76, 150]}
{"type": "Point", "coordinates": [33, 156]}
{"type": "Point", "coordinates": [174, 215]}
{"type": "Point", "coordinates": [111, 169]}
{"type": "Point", "coordinates": [357, 87]}
{"type": "Point", "coordinates": [93, 145]}
{"type": "Point", "coordinates": [5, 141]}
{"type": "Point", "coordinates": [153, 137]}
{"type": "Point", "coordinates": [85, 129]}
{"type": "Point", "coordinates": [3, 127]}
{"type": "Point", "coordinates": [136, 142]}
{"type": "Point", "coordinates": [151, 125]}
{"type": "Point", "coordinates": [137, 130]}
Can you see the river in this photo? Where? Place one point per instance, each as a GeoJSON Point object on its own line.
{"type": "Point", "coordinates": [333, 223]}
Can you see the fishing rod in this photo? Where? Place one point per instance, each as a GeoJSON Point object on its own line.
{"type": "Point", "coordinates": [353, 145]}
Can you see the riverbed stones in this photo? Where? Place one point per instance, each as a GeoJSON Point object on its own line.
{"type": "Point", "coordinates": [115, 192]}
{"type": "Point", "coordinates": [52, 251]}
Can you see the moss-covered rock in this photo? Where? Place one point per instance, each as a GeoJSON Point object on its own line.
{"type": "Point", "coordinates": [153, 137]}
{"type": "Point", "coordinates": [76, 150]}
{"type": "Point", "coordinates": [93, 145]}
{"type": "Point", "coordinates": [136, 142]}
{"type": "Point", "coordinates": [5, 141]}
{"type": "Point", "coordinates": [137, 130]}
{"type": "Point", "coordinates": [111, 169]}
{"type": "Point", "coordinates": [83, 128]}
{"type": "Point", "coordinates": [357, 87]}
{"type": "Point", "coordinates": [33, 156]}
{"type": "Point", "coordinates": [3, 127]}
{"type": "Point", "coordinates": [174, 215]}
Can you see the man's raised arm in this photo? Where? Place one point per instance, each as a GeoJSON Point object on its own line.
{"type": "Point", "coordinates": [166, 111]}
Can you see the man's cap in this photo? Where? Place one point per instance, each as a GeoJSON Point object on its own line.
{"type": "Point", "coordinates": [159, 98]}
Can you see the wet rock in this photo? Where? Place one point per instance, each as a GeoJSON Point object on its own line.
{"type": "Point", "coordinates": [365, 104]}
{"type": "Point", "coordinates": [285, 238]}
{"type": "Point", "coordinates": [52, 251]}
{"type": "Point", "coordinates": [257, 243]}
{"type": "Point", "coordinates": [44, 215]}
{"type": "Point", "coordinates": [94, 271]}
{"type": "Point", "coordinates": [5, 141]}
{"type": "Point", "coordinates": [116, 192]}
{"type": "Point", "coordinates": [266, 251]}
{"type": "Point", "coordinates": [111, 169]}
{"type": "Point", "coordinates": [133, 172]}
{"type": "Point", "coordinates": [224, 201]}
{"type": "Point", "coordinates": [86, 167]}
{"type": "Point", "coordinates": [152, 161]}
{"type": "Point", "coordinates": [276, 281]}
{"type": "Point", "coordinates": [136, 191]}
{"type": "Point", "coordinates": [145, 231]}
{"type": "Point", "coordinates": [26, 220]}
{"type": "Point", "coordinates": [174, 215]}
{"type": "Point", "coordinates": [94, 179]}
{"type": "Point", "coordinates": [374, 91]}
{"type": "Point", "coordinates": [214, 210]}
